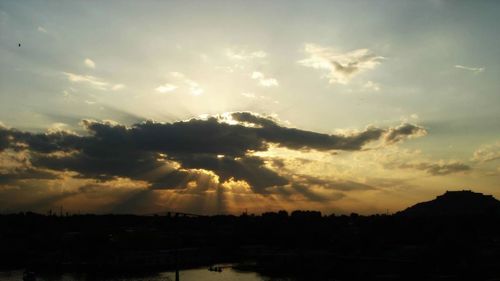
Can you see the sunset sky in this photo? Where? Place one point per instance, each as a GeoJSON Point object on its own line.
{"type": "Point", "coordinates": [214, 107]}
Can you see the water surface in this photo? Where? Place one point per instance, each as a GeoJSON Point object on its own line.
{"type": "Point", "coordinates": [197, 274]}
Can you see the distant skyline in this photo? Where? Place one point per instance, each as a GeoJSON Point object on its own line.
{"type": "Point", "coordinates": [225, 106]}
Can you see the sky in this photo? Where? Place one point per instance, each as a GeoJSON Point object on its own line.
{"type": "Point", "coordinates": [221, 107]}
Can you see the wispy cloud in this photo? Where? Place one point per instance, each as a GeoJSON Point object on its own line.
{"type": "Point", "coordinates": [487, 153]}
{"type": "Point", "coordinates": [370, 85]}
{"type": "Point", "coordinates": [193, 87]}
{"type": "Point", "coordinates": [263, 80]}
{"type": "Point", "coordinates": [476, 70]}
{"type": "Point", "coordinates": [92, 81]}
{"type": "Point", "coordinates": [165, 88]}
{"type": "Point", "coordinates": [117, 87]}
{"type": "Point", "coordinates": [409, 159]}
{"type": "Point", "coordinates": [89, 63]}
{"type": "Point", "coordinates": [438, 169]}
{"type": "Point", "coordinates": [341, 67]}
{"type": "Point", "coordinates": [241, 59]}
{"type": "Point", "coordinates": [41, 29]}
{"type": "Point", "coordinates": [256, 97]}
{"type": "Point", "coordinates": [249, 95]}
{"type": "Point", "coordinates": [243, 55]}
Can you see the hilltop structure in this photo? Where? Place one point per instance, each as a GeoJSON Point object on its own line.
{"type": "Point", "coordinates": [464, 202]}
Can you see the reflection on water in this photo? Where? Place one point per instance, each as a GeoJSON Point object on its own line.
{"type": "Point", "coordinates": [228, 274]}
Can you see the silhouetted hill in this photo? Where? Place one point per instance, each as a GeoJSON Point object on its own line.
{"type": "Point", "coordinates": [451, 203]}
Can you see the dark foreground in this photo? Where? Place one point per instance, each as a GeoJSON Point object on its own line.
{"type": "Point", "coordinates": [196, 274]}
{"type": "Point", "coordinates": [303, 245]}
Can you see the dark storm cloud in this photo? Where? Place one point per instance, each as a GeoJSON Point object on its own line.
{"type": "Point", "coordinates": [44, 143]}
{"type": "Point", "coordinates": [173, 179]}
{"type": "Point", "coordinates": [25, 174]}
{"type": "Point", "coordinates": [403, 131]}
{"type": "Point", "coordinates": [4, 138]}
{"type": "Point", "coordinates": [197, 136]}
{"type": "Point", "coordinates": [300, 139]}
{"type": "Point", "coordinates": [249, 168]}
{"type": "Point", "coordinates": [250, 118]}
{"type": "Point", "coordinates": [113, 150]}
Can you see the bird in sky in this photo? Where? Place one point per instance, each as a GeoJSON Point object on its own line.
{"type": "Point", "coordinates": [19, 44]}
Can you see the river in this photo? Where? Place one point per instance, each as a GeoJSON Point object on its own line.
{"type": "Point", "coordinates": [197, 274]}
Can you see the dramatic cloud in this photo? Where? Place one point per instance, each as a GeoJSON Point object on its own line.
{"type": "Point", "coordinates": [173, 155]}
{"type": "Point", "coordinates": [263, 80]}
{"type": "Point", "coordinates": [23, 174]}
{"type": "Point", "coordinates": [485, 153]}
{"type": "Point", "coordinates": [89, 63]}
{"type": "Point", "coordinates": [476, 70]}
{"type": "Point", "coordinates": [15, 166]}
{"type": "Point", "coordinates": [5, 137]}
{"type": "Point", "coordinates": [341, 67]}
{"type": "Point", "coordinates": [403, 131]}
